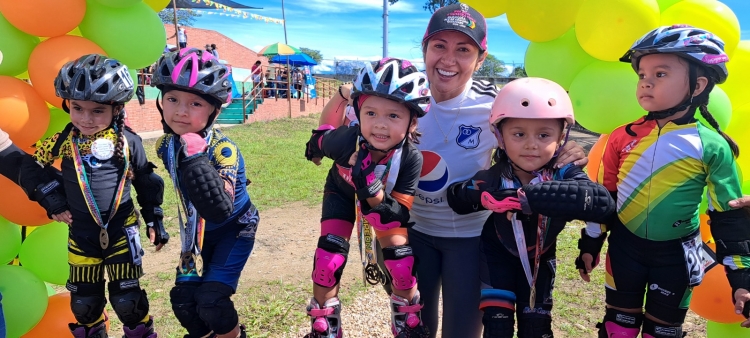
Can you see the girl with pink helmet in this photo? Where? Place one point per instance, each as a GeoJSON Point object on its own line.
{"type": "Point", "coordinates": [217, 219]}
{"type": "Point", "coordinates": [658, 168]}
{"type": "Point", "coordinates": [531, 201]}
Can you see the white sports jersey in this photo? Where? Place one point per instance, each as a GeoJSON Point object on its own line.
{"type": "Point", "coordinates": [468, 150]}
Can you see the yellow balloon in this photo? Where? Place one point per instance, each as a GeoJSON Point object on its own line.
{"type": "Point", "coordinates": [74, 32]}
{"type": "Point", "coordinates": [156, 5]}
{"type": "Point", "coordinates": [736, 86]}
{"type": "Point", "coordinates": [738, 131]}
{"type": "Point", "coordinates": [710, 15]}
{"type": "Point", "coordinates": [606, 29]}
{"type": "Point", "coordinates": [488, 8]}
{"type": "Point", "coordinates": [542, 20]}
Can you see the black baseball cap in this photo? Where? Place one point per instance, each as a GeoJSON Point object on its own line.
{"type": "Point", "coordinates": [462, 18]}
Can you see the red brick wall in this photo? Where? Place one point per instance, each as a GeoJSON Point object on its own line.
{"type": "Point", "coordinates": [143, 118]}
{"type": "Point", "coordinates": [234, 53]}
{"type": "Point", "coordinates": [273, 109]}
{"type": "Point", "coordinates": [146, 118]}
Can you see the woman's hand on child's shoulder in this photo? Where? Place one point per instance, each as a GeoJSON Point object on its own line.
{"type": "Point", "coordinates": [571, 152]}
{"type": "Point", "coordinates": [64, 217]}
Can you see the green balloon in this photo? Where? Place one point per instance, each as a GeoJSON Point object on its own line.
{"type": "Point", "coordinates": [603, 96]}
{"type": "Point", "coordinates": [664, 4]}
{"type": "Point", "coordinates": [16, 47]}
{"type": "Point", "coordinates": [134, 35]}
{"type": "Point", "coordinates": [45, 253]}
{"type": "Point", "coordinates": [119, 3]}
{"type": "Point", "coordinates": [720, 330]}
{"type": "Point", "coordinates": [24, 299]}
{"type": "Point", "coordinates": [58, 119]}
{"type": "Point", "coordinates": [50, 290]}
{"type": "Point", "coordinates": [720, 108]}
{"type": "Point", "coordinates": [10, 240]}
{"type": "Point", "coordinates": [558, 60]}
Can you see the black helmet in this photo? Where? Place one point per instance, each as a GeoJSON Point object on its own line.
{"type": "Point", "coordinates": [94, 77]}
{"type": "Point", "coordinates": [194, 70]}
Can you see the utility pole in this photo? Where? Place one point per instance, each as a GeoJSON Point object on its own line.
{"type": "Point", "coordinates": [283, 17]}
{"type": "Point", "coordinates": [385, 28]}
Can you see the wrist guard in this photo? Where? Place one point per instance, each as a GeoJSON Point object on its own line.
{"type": "Point", "coordinates": [589, 245]}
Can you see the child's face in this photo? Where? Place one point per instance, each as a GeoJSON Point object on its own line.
{"type": "Point", "coordinates": [185, 112]}
{"type": "Point", "coordinates": [384, 123]}
{"type": "Point", "coordinates": [663, 81]}
{"type": "Point", "coordinates": [531, 143]}
{"type": "Point", "coordinates": [91, 117]}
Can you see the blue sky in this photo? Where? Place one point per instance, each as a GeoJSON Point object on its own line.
{"type": "Point", "coordinates": [352, 29]}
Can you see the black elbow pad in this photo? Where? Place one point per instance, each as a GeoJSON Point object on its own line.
{"type": "Point", "coordinates": [570, 199]}
{"type": "Point", "coordinates": [731, 230]}
{"type": "Point", "coordinates": [205, 188]}
{"type": "Point", "coordinates": [149, 187]}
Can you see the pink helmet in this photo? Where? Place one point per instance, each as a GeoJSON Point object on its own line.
{"type": "Point", "coordinates": [532, 98]}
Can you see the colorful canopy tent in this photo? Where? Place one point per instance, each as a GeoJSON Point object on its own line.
{"type": "Point", "coordinates": [296, 60]}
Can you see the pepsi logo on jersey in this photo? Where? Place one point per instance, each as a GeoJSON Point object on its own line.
{"type": "Point", "coordinates": [433, 178]}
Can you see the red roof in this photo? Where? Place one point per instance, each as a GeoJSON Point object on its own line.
{"type": "Point", "coordinates": [233, 52]}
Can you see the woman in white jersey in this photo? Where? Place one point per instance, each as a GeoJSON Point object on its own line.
{"type": "Point", "coordinates": [456, 143]}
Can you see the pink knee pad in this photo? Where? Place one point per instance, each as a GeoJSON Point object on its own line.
{"type": "Point", "coordinates": [379, 224]}
{"type": "Point", "coordinates": [330, 260]}
{"type": "Point", "coordinates": [337, 227]}
{"type": "Point", "coordinates": [616, 331]}
{"type": "Point", "coordinates": [401, 264]}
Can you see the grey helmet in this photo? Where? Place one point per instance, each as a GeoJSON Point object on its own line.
{"type": "Point", "coordinates": [94, 77]}
{"type": "Point", "coordinates": [194, 70]}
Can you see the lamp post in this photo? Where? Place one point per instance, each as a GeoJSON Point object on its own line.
{"type": "Point", "coordinates": [385, 28]}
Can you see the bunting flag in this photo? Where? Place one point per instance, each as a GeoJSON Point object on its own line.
{"type": "Point", "coordinates": [234, 12]}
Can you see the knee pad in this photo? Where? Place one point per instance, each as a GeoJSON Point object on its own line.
{"type": "Point", "coordinates": [401, 265]}
{"type": "Point", "coordinates": [535, 327]}
{"type": "Point", "coordinates": [216, 308]}
{"type": "Point", "coordinates": [87, 301]}
{"type": "Point", "coordinates": [652, 329]}
{"type": "Point", "coordinates": [128, 300]}
{"type": "Point", "coordinates": [620, 324]}
{"type": "Point", "coordinates": [330, 260]}
{"type": "Point", "coordinates": [498, 322]}
{"type": "Point", "coordinates": [185, 308]}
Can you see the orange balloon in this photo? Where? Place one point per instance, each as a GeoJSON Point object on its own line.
{"type": "Point", "coordinates": [16, 207]}
{"type": "Point", "coordinates": [712, 299]}
{"type": "Point", "coordinates": [595, 157]}
{"type": "Point", "coordinates": [705, 229]}
{"type": "Point", "coordinates": [44, 17]}
{"type": "Point", "coordinates": [23, 114]}
{"type": "Point", "coordinates": [56, 318]}
{"type": "Point", "coordinates": [48, 58]}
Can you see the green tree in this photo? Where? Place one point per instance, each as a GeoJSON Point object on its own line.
{"type": "Point", "coordinates": [185, 17]}
{"type": "Point", "coordinates": [492, 66]}
{"type": "Point", "coordinates": [432, 5]}
{"type": "Point", "coordinates": [314, 54]}
{"type": "Point", "coordinates": [519, 72]}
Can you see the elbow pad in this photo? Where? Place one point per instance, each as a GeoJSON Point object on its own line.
{"type": "Point", "coordinates": [570, 199]}
{"type": "Point", "coordinates": [149, 187]}
{"type": "Point", "coordinates": [205, 188]}
{"type": "Point", "coordinates": [731, 230]}
{"type": "Point", "coordinates": [312, 147]}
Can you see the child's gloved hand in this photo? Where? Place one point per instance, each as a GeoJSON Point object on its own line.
{"type": "Point", "coordinates": [193, 144]}
{"type": "Point", "coordinates": [500, 201]}
{"type": "Point", "coordinates": [366, 184]}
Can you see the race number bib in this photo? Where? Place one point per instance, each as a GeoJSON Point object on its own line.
{"type": "Point", "coordinates": [134, 241]}
{"type": "Point", "coordinates": [695, 260]}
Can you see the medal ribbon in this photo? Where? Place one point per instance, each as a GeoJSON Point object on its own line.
{"type": "Point", "coordinates": [191, 232]}
{"type": "Point", "coordinates": [88, 195]}
{"type": "Point", "coordinates": [369, 255]}
{"type": "Point", "coordinates": [541, 233]}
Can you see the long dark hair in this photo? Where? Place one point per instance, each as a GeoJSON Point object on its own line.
{"type": "Point", "coordinates": [702, 104]}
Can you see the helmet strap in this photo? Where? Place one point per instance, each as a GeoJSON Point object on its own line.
{"type": "Point", "coordinates": [662, 114]}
